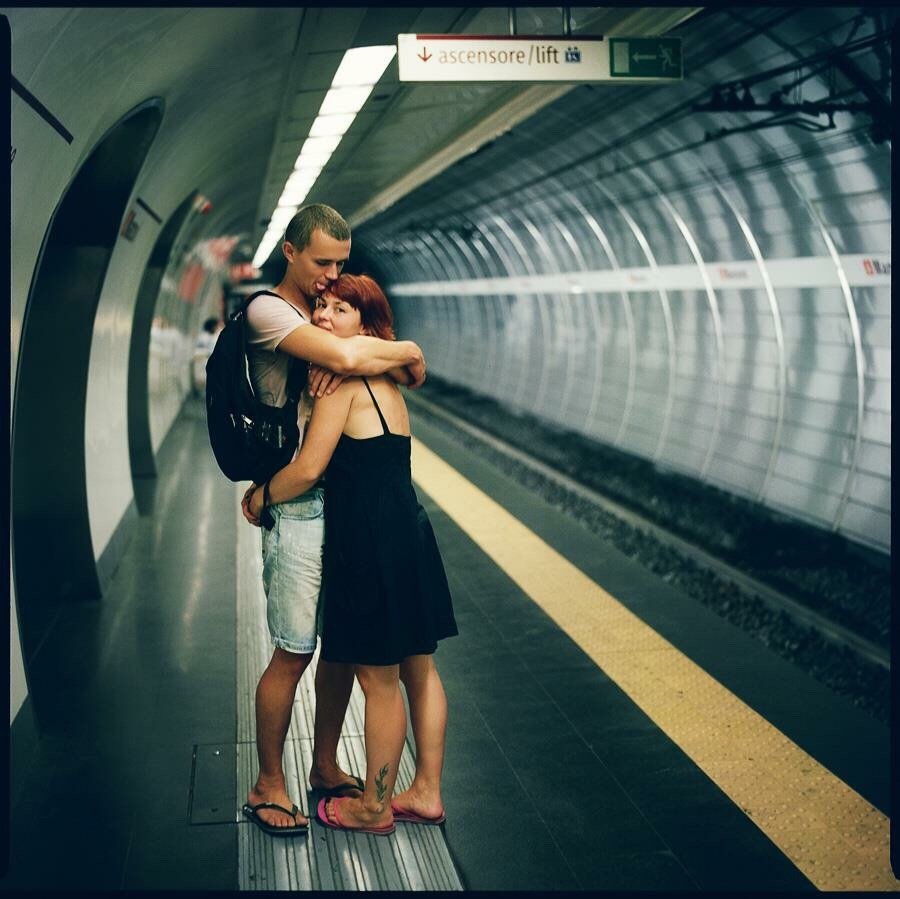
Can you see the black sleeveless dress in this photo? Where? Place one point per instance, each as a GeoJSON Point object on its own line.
{"type": "Point", "coordinates": [385, 592]}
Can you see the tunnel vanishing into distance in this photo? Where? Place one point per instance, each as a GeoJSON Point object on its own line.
{"type": "Point", "coordinates": [714, 305]}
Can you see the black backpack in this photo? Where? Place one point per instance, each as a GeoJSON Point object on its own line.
{"type": "Point", "coordinates": [249, 439]}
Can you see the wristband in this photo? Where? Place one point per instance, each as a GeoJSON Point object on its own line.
{"type": "Point", "coordinates": [265, 516]}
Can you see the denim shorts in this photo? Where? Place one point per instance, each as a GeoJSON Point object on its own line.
{"type": "Point", "coordinates": [292, 570]}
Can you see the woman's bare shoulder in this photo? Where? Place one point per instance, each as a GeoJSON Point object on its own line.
{"type": "Point", "coordinates": [343, 394]}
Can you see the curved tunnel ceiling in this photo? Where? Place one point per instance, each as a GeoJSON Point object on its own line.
{"type": "Point", "coordinates": [613, 130]}
{"type": "Point", "coordinates": [242, 87]}
{"type": "Point", "coordinates": [681, 284]}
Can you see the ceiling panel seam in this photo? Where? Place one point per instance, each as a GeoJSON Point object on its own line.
{"type": "Point", "coordinates": [520, 107]}
{"type": "Point", "coordinates": [286, 105]}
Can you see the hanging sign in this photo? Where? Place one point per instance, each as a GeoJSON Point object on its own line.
{"type": "Point", "coordinates": [492, 57]}
{"type": "Point", "coordinates": [645, 57]}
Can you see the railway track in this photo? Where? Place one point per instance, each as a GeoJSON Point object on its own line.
{"type": "Point", "coordinates": [801, 614]}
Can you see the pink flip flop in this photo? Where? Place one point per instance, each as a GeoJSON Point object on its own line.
{"type": "Point", "coordinates": [322, 817]}
{"type": "Point", "coordinates": [401, 814]}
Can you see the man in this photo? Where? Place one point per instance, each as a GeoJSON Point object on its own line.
{"type": "Point", "coordinates": [316, 246]}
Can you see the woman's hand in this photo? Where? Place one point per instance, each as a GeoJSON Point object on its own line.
{"type": "Point", "coordinates": [255, 505]}
{"type": "Point", "coordinates": [252, 517]}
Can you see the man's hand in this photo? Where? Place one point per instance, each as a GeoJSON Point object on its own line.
{"type": "Point", "coordinates": [252, 491]}
{"type": "Point", "coordinates": [417, 373]}
{"type": "Point", "coordinates": [321, 381]}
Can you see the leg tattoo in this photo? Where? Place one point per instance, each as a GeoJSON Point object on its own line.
{"type": "Point", "coordinates": [380, 785]}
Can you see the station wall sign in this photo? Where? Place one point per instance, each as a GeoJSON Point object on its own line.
{"type": "Point", "coordinates": [492, 57]}
{"type": "Point", "coordinates": [804, 272]}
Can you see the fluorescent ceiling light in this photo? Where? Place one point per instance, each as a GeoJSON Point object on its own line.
{"type": "Point", "coordinates": [297, 187]}
{"type": "Point", "coordinates": [295, 195]}
{"type": "Point", "coordinates": [317, 154]}
{"type": "Point", "coordinates": [300, 177]}
{"type": "Point", "coordinates": [308, 166]}
{"type": "Point", "coordinates": [345, 99]}
{"type": "Point", "coordinates": [309, 161]}
{"type": "Point", "coordinates": [325, 125]}
{"type": "Point", "coordinates": [359, 71]}
{"type": "Point", "coordinates": [320, 146]}
{"type": "Point", "coordinates": [363, 65]}
{"type": "Point", "coordinates": [281, 216]}
{"type": "Point", "coordinates": [264, 251]}
{"type": "Point", "coordinates": [269, 240]}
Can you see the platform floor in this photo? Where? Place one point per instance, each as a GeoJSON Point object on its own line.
{"type": "Point", "coordinates": [566, 767]}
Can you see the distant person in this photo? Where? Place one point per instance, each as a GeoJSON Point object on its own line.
{"type": "Point", "coordinates": [203, 346]}
{"type": "Point", "coordinates": [386, 602]}
{"type": "Point", "coordinates": [316, 246]}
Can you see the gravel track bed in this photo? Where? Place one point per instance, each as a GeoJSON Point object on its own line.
{"type": "Point", "coordinates": [852, 589]}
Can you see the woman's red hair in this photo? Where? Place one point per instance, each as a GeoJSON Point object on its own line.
{"type": "Point", "coordinates": [364, 294]}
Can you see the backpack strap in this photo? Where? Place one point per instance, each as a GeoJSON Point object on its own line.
{"type": "Point", "coordinates": [270, 293]}
{"type": "Point", "coordinates": [296, 379]}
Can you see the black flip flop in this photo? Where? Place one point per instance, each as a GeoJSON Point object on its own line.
{"type": "Point", "coordinates": [251, 812]}
{"type": "Point", "coordinates": [355, 785]}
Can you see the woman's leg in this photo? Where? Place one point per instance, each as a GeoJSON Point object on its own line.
{"type": "Point", "coordinates": [274, 703]}
{"type": "Point", "coordinates": [428, 714]}
{"type": "Point", "coordinates": [385, 732]}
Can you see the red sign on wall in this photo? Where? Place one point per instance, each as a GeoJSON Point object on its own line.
{"type": "Point", "coordinates": [243, 271]}
{"type": "Point", "coordinates": [191, 281]}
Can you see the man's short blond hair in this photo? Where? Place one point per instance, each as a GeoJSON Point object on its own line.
{"type": "Point", "coordinates": [316, 215]}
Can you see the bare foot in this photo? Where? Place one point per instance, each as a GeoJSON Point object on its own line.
{"type": "Point", "coordinates": [354, 814]}
{"type": "Point", "coordinates": [419, 803]}
{"type": "Point", "coordinates": [273, 816]}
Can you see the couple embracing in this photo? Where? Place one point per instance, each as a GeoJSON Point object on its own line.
{"type": "Point", "coordinates": [348, 552]}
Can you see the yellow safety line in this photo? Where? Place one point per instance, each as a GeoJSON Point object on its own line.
{"type": "Point", "coordinates": [834, 836]}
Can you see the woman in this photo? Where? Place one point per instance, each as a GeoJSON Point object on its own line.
{"type": "Point", "coordinates": [385, 597]}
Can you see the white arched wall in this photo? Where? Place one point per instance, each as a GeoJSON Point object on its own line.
{"type": "Point", "coordinates": [89, 67]}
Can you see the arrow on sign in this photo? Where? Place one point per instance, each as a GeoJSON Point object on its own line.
{"type": "Point", "coordinates": [639, 56]}
{"type": "Point", "coordinates": [424, 55]}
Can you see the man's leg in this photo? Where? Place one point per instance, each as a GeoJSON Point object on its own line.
{"type": "Point", "coordinates": [292, 574]}
{"type": "Point", "coordinates": [334, 683]}
{"type": "Point", "coordinates": [274, 703]}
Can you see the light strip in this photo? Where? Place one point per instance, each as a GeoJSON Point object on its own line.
{"type": "Point", "coordinates": [345, 99]}
{"type": "Point", "coordinates": [328, 125]}
{"type": "Point", "coordinates": [319, 147]}
{"type": "Point", "coordinates": [360, 70]}
{"type": "Point", "coordinates": [297, 187]}
{"type": "Point", "coordinates": [363, 65]}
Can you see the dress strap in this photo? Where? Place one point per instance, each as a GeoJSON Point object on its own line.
{"type": "Point", "coordinates": [377, 408]}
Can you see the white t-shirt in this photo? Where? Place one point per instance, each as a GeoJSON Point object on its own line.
{"type": "Point", "coordinates": [269, 321]}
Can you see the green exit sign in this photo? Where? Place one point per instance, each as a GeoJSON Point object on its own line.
{"type": "Point", "coordinates": [645, 57]}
